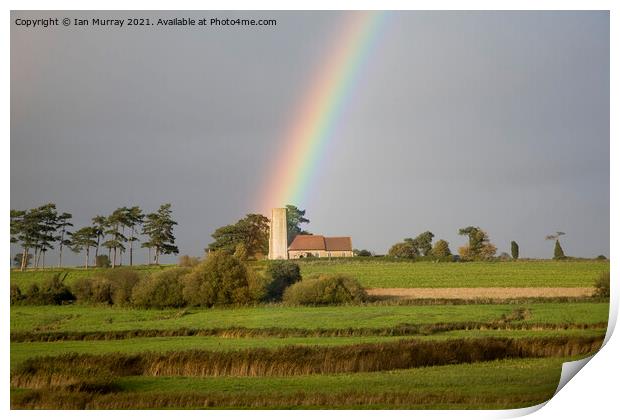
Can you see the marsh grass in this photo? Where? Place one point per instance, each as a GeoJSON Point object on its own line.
{"type": "Point", "coordinates": [69, 369]}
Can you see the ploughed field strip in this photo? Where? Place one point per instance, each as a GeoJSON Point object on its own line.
{"type": "Point", "coordinates": [468, 293]}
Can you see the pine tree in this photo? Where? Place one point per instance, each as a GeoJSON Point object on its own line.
{"type": "Point", "coordinates": [159, 229]}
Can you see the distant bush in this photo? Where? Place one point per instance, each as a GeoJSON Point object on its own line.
{"type": "Point", "coordinates": [219, 280]}
{"type": "Point", "coordinates": [282, 274]}
{"type": "Point", "coordinates": [325, 290]}
{"type": "Point", "coordinates": [122, 281]}
{"type": "Point", "coordinates": [93, 290]}
{"type": "Point", "coordinates": [102, 261]}
{"type": "Point", "coordinates": [187, 261]}
{"type": "Point", "coordinates": [602, 285]}
{"type": "Point", "coordinates": [163, 289]}
{"type": "Point", "coordinates": [112, 287]}
{"type": "Point", "coordinates": [16, 294]}
{"type": "Point", "coordinates": [601, 257]}
{"type": "Point", "coordinates": [362, 253]}
{"type": "Point", "coordinates": [53, 291]}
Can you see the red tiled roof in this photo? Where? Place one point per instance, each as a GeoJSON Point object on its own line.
{"type": "Point", "coordinates": [338, 243]}
{"type": "Point", "coordinates": [320, 243]}
{"type": "Point", "coordinates": [307, 243]}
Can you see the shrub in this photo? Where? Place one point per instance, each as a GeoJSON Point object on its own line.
{"type": "Point", "coordinates": [187, 261]}
{"type": "Point", "coordinates": [53, 291]}
{"type": "Point", "coordinates": [221, 279]}
{"type": "Point", "coordinates": [162, 289]}
{"type": "Point", "coordinates": [16, 294]}
{"type": "Point", "coordinates": [403, 250]}
{"type": "Point", "coordinates": [602, 285]}
{"type": "Point", "coordinates": [441, 249]}
{"type": "Point", "coordinates": [601, 257]}
{"type": "Point", "coordinates": [282, 274]}
{"type": "Point", "coordinates": [93, 290]}
{"type": "Point", "coordinates": [362, 253]}
{"type": "Point", "coordinates": [102, 261]}
{"type": "Point", "coordinates": [325, 290]}
{"type": "Point", "coordinates": [122, 281]}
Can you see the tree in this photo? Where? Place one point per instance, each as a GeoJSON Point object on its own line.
{"type": "Point", "coordinates": [249, 236]}
{"type": "Point", "coordinates": [479, 246]}
{"type": "Point", "coordinates": [294, 218]}
{"type": "Point", "coordinates": [514, 250]}
{"type": "Point", "coordinates": [18, 259]}
{"type": "Point", "coordinates": [35, 230]}
{"type": "Point", "coordinates": [115, 223]}
{"type": "Point", "coordinates": [159, 227]}
{"type": "Point", "coordinates": [403, 250]}
{"type": "Point", "coordinates": [62, 224]}
{"type": "Point", "coordinates": [82, 240]}
{"type": "Point", "coordinates": [423, 242]}
{"type": "Point", "coordinates": [558, 252]}
{"type": "Point", "coordinates": [100, 223]}
{"type": "Point", "coordinates": [441, 249]}
{"type": "Point", "coordinates": [362, 253]}
{"type": "Point", "coordinates": [133, 218]}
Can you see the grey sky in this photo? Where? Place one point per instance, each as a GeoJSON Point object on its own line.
{"type": "Point", "coordinates": [495, 119]}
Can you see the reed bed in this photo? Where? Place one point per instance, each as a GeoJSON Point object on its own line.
{"type": "Point", "coordinates": [69, 369]}
{"type": "Point", "coordinates": [505, 323]}
{"type": "Point", "coordinates": [38, 399]}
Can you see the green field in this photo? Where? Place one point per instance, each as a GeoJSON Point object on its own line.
{"type": "Point", "coordinates": [395, 273]}
{"type": "Point", "coordinates": [385, 273]}
{"type": "Point", "coordinates": [104, 318]}
{"type": "Point", "coordinates": [31, 276]}
{"type": "Point", "coordinates": [22, 351]}
{"type": "Point", "coordinates": [106, 331]}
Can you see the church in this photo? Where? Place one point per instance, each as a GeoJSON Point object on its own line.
{"type": "Point", "coordinates": [303, 246]}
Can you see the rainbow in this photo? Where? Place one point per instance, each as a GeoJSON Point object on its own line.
{"type": "Point", "coordinates": [314, 123]}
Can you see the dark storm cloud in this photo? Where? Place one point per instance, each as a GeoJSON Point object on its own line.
{"type": "Point", "coordinates": [493, 119]}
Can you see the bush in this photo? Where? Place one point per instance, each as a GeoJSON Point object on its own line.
{"type": "Point", "coordinates": [95, 290]}
{"type": "Point", "coordinates": [282, 274]}
{"type": "Point", "coordinates": [102, 261]}
{"type": "Point", "coordinates": [602, 285]}
{"type": "Point", "coordinates": [112, 287]}
{"type": "Point", "coordinates": [16, 294]}
{"type": "Point", "coordinates": [325, 290]}
{"type": "Point", "coordinates": [53, 291]}
{"type": "Point", "coordinates": [221, 279]}
{"type": "Point", "coordinates": [122, 281]}
{"type": "Point", "coordinates": [187, 261]}
{"type": "Point", "coordinates": [162, 289]}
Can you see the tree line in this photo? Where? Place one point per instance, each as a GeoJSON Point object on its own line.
{"type": "Point", "coordinates": [43, 228]}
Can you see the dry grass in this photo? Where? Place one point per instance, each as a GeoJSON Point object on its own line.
{"type": "Point", "coordinates": [37, 399]}
{"type": "Point", "coordinates": [473, 293]}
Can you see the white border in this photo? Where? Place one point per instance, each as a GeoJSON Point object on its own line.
{"type": "Point", "coordinates": [592, 394]}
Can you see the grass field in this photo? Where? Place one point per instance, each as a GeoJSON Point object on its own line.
{"type": "Point", "coordinates": [395, 273]}
{"type": "Point", "coordinates": [103, 318]}
{"type": "Point", "coordinates": [164, 347]}
{"type": "Point", "coordinates": [385, 273]}
{"type": "Point", "coordinates": [496, 384]}
{"type": "Point", "coordinates": [21, 352]}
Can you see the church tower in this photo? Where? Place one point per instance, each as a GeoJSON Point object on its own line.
{"type": "Point", "coordinates": [278, 243]}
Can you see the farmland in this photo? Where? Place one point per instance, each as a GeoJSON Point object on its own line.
{"type": "Point", "coordinates": [380, 354]}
